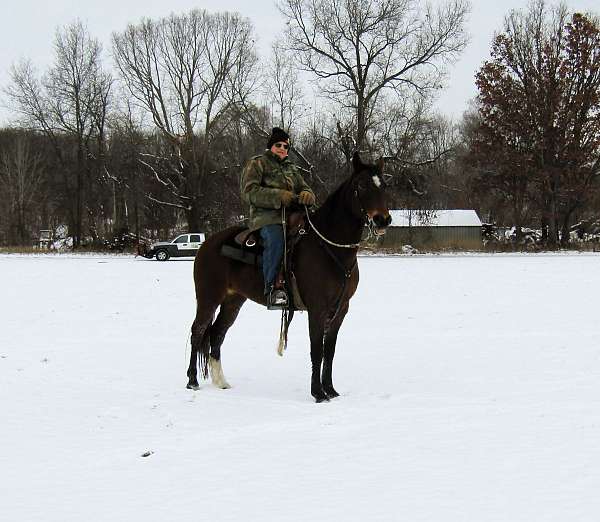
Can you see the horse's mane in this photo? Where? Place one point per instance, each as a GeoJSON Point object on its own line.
{"type": "Point", "coordinates": [333, 200]}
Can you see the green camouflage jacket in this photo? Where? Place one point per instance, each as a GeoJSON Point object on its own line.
{"type": "Point", "coordinates": [263, 179]}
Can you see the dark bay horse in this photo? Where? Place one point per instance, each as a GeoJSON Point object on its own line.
{"type": "Point", "coordinates": [326, 271]}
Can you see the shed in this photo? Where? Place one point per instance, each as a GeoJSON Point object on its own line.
{"type": "Point", "coordinates": [45, 239]}
{"type": "Point", "coordinates": [434, 230]}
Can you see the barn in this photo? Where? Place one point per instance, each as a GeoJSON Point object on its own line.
{"type": "Point", "coordinates": [433, 230]}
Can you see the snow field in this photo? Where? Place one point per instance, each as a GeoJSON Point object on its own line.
{"type": "Point", "coordinates": [470, 391]}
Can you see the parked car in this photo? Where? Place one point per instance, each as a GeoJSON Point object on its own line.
{"type": "Point", "coordinates": [185, 245]}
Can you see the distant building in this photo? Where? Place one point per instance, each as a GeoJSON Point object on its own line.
{"type": "Point", "coordinates": [433, 230]}
{"type": "Point", "coordinates": [44, 239]}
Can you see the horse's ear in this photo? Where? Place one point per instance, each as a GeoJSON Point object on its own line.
{"type": "Point", "coordinates": [356, 162]}
{"type": "Point", "coordinates": [380, 164]}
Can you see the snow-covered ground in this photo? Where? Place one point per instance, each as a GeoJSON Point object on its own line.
{"type": "Point", "coordinates": [470, 392]}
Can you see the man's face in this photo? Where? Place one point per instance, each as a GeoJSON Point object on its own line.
{"type": "Point", "coordinates": [280, 149]}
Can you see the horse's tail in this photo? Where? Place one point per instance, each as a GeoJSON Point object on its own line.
{"type": "Point", "coordinates": [205, 352]}
{"type": "Point", "coordinates": [201, 345]}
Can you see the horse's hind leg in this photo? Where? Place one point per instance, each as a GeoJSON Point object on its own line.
{"type": "Point", "coordinates": [228, 313]}
{"type": "Point", "coordinates": [200, 345]}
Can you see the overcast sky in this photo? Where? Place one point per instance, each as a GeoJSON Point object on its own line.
{"type": "Point", "coordinates": [28, 31]}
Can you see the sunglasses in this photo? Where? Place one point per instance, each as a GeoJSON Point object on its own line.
{"type": "Point", "coordinates": [283, 146]}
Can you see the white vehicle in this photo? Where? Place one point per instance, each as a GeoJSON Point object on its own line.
{"type": "Point", "coordinates": [185, 245]}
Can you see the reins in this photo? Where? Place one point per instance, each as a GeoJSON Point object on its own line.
{"type": "Point", "coordinates": [326, 244]}
{"type": "Point", "coordinates": [347, 275]}
{"type": "Point", "coordinates": [346, 271]}
{"type": "Point", "coordinates": [367, 221]}
{"type": "Point", "coordinates": [332, 243]}
{"type": "Point", "coordinates": [286, 314]}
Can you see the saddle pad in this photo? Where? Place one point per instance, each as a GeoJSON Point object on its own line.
{"type": "Point", "coordinates": [244, 256]}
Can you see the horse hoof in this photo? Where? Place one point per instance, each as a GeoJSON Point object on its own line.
{"type": "Point", "coordinates": [321, 398]}
{"type": "Point", "coordinates": [194, 387]}
{"type": "Point", "coordinates": [331, 393]}
{"type": "Point", "coordinates": [224, 386]}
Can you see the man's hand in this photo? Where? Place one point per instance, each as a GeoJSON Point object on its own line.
{"type": "Point", "coordinates": [286, 197]}
{"type": "Point", "coordinates": [306, 198]}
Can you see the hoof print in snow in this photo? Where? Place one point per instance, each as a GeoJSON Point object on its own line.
{"type": "Point", "coordinates": [147, 454]}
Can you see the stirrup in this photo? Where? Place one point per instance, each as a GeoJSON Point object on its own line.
{"type": "Point", "coordinates": [277, 300]}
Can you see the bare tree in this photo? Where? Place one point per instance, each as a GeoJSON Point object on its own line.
{"type": "Point", "coordinates": [21, 178]}
{"type": "Point", "coordinates": [187, 71]}
{"type": "Point", "coordinates": [283, 89]}
{"type": "Point", "coordinates": [359, 50]}
{"type": "Point", "coordinates": [70, 99]}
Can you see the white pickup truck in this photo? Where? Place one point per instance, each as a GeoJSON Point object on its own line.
{"type": "Point", "coordinates": [185, 245]}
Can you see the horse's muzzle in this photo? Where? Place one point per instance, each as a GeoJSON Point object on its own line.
{"type": "Point", "coordinates": [379, 223]}
{"type": "Point", "coordinates": [382, 221]}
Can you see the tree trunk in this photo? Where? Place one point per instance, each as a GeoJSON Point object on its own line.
{"type": "Point", "coordinates": [361, 130]}
{"type": "Point", "coordinates": [544, 225]}
{"type": "Point", "coordinates": [136, 208]}
{"type": "Point", "coordinates": [194, 216]}
{"type": "Point", "coordinates": [518, 219]}
{"type": "Point", "coordinates": [78, 198]}
{"type": "Point", "coordinates": [553, 214]}
{"type": "Point", "coordinates": [21, 226]}
{"type": "Point", "coordinates": [565, 236]}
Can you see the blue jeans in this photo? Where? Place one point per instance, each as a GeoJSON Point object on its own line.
{"type": "Point", "coordinates": [272, 236]}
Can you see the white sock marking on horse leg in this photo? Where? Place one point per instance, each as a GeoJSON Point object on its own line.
{"type": "Point", "coordinates": [216, 373]}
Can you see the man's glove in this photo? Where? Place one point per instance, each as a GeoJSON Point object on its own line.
{"type": "Point", "coordinates": [306, 198]}
{"type": "Point", "coordinates": [286, 197]}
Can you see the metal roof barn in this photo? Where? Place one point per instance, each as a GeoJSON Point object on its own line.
{"type": "Point", "coordinates": [433, 230]}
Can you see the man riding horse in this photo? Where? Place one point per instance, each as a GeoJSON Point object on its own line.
{"type": "Point", "coordinates": [327, 254]}
{"type": "Point", "coordinates": [271, 181]}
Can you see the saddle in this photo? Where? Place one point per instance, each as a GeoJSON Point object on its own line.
{"type": "Point", "coordinates": [247, 247]}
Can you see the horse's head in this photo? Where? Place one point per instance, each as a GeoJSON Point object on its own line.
{"type": "Point", "coordinates": [369, 194]}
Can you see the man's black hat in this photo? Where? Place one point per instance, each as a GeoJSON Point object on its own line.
{"type": "Point", "coordinates": [277, 135]}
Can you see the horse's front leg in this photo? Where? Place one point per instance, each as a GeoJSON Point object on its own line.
{"type": "Point", "coordinates": [316, 331]}
{"type": "Point", "coordinates": [329, 353]}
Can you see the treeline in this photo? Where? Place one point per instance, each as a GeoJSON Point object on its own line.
{"type": "Point", "coordinates": [156, 142]}
{"type": "Point", "coordinates": [534, 143]}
